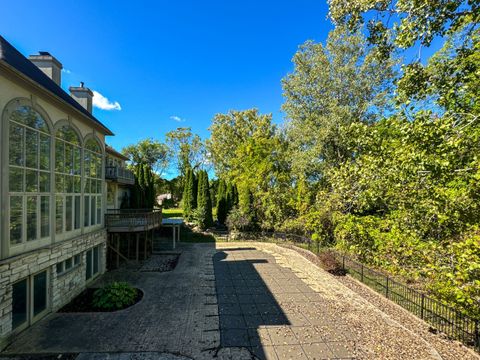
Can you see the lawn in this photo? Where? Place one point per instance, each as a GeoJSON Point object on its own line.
{"type": "Point", "coordinates": [172, 213]}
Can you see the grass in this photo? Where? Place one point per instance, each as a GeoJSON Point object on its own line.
{"type": "Point", "coordinates": [189, 236]}
{"type": "Point", "coordinates": [172, 213]}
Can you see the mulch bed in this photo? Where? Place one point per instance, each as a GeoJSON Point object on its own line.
{"type": "Point", "coordinates": [83, 303]}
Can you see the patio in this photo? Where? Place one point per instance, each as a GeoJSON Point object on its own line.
{"type": "Point", "coordinates": [230, 301]}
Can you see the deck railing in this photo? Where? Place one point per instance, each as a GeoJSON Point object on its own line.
{"type": "Point", "coordinates": [125, 220]}
{"type": "Point", "coordinates": [119, 174]}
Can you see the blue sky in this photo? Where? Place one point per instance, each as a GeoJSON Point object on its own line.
{"type": "Point", "coordinates": [167, 60]}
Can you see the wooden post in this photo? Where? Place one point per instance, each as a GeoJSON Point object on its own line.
{"type": "Point", "coordinates": [173, 228]}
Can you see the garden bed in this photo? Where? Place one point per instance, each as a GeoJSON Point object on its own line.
{"type": "Point", "coordinates": [84, 303]}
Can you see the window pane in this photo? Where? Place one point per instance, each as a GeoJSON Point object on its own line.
{"type": "Point", "coordinates": [77, 180]}
{"type": "Point", "coordinates": [76, 260]}
{"type": "Point", "coordinates": [76, 161]}
{"type": "Point", "coordinates": [99, 210]}
{"type": "Point", "coordinates": [86, 162]}
{"type": "Point", "coordinates": [19, 303]}
{"type": "Point", "coordinates": [59, 214]}
{"type": "Point", "coordinates": [92, 210]}
{"type": "Point", "coordinates": [31, 148]}
{"type": "Point", "coordinates": [69, 184]}
{"type": "Point", "coordinates": [89, 265]}
{"type": "Point", "coordinates": [59, 267]}
{"type": "Point", "coordinates": [31, 180]}
{"type": "Point", "coordinates": [59, 183]}
{"type": "Point", "coordinates": [44, 181]}
{"type": "Point", "coordinates": [69, 213]}
{"type": "Point", "coordinates": [15, 179]}
{"type": "Point", "coordinates": [96, 258]}
{"type": "Point", "coordinates": [45, 216]}
{"type": "Point", "coordinates": [16, 145]}
{"type": "Point", "coordinates": [59, 156]}
{"type": "Point", "coordinates": [86, 207]}
{"type": "Point", "coordinates": [39, 293]}
{"type": "Point", "coordinates": [31, 218]}
{"type": "Point", "coordinates": [77, 212]}
{"type": "Point", "coordinates": [44, 152]}
{"type": "Point", "coordinates": [68, 159]}
{"type": "Point", "coordinates": [68, 263]}
{"type": "Point", "coordinates": [16, 209]}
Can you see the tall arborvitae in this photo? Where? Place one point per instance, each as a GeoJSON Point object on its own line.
{"type": "Point", "coordinates": [194, 200]}
{"type": "Point", "coordinates": [143, 194]}
{"type": "Point", "coordinates": [235, 195]}
{"type": "Point", "coordinates": [187, 194]}
{"type": "Point", "coordinates": [221, 202]}
{"type": "Point", "coordinates": [204, 208]}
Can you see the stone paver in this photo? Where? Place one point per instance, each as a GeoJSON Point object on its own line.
{"type": "Point", "coordinates": [262, 307]}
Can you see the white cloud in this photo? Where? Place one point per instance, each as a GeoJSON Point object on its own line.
{"type": "Point", "coordinates": [101, 102]}
{"type": "Point", "coordinates": [66, 71]}
{"type": "Point", "coordinates": [177, 118]}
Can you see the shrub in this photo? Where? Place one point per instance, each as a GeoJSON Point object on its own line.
{"type": "Point", "coordinates": [238, 220]}
{"type": "Point", "coordinates": [115, 296]}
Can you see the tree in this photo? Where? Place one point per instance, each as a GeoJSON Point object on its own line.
{"type": "Point", "coordinates": [150, 152]}
{"type": "Point", "coordinates": [203, 213]}
{"type": "Point", "coordinates": [188, 149]}
{"type": "Point", "coordinates": [222, 202]}
{"type": "Point", "coordinates": [331, 87]}
{"type": "Point", "coordinates": [189, 194]}
{"type": "Point", "coordinates": [143, 193]}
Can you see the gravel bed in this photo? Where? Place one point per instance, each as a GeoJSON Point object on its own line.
{"type": "Point", "coordinates": [386, 330]}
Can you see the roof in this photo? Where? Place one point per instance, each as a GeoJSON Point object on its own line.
{"type": "Point", "coordinates": [12, 57]}
{"type": "Point", "coordinates": [114, 152]}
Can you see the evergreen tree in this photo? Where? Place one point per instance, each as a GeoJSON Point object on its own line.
{"type": "Point", "coordinates": [229, 197]}
{"type": "Point", "coordinates": [187, 194]}
{"type": "Point", "coordinates": [204, 209]}
{"type": "Point", "coordinates": [221, 202]}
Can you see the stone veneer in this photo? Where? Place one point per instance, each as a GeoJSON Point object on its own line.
{"type": "Point", "coordinates": [62, 288]}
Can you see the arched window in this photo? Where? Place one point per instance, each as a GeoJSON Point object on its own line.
{"type": "Point", "coordinates": [29, 174]}
{"type": "Point", "coordinates": [92, 162]}
{"type": "Point", "coordinates": [67, 180]}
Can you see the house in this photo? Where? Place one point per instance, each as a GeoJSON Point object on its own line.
{"type": "Point", "coordinates": [119, 180]}
{"type": "Point", "coordinates": [53, 190]}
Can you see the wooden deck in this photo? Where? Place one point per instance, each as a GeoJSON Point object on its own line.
{"type": "Point", "coordinates": [132, 220]}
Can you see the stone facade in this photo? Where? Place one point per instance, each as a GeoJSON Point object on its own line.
{"type": "Point", "coordinates": [61, 288]}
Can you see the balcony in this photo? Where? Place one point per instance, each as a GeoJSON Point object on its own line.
{"type": "Point", "coordinates": [132, 220]}
{"type": "Point", "coordinates": [120, 175]}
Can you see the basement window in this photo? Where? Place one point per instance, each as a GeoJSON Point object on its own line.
{"type": "Point", "coordinates": [67, 265]}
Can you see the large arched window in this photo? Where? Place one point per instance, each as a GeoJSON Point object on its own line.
{"type": "Point", "coordinates": [67, 180]}
{"type": "Point", "coordinates": [29, 174]}
{"type": "Point", "coordinates": [92, 162]}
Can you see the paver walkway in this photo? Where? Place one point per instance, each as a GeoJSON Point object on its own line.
{"type": "Point", "coordinates": [232, 301]}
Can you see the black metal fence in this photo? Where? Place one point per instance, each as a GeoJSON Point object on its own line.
{"type": "Point", "coordinates": [442, 317]}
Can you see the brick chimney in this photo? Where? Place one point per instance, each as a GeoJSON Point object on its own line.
{"type": "Point", "coordinates": [49, 65]}
{"type": "Point", "coordinates": [83, 95]}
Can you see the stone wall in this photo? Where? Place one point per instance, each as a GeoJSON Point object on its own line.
{"type": "Point", "coordinates": [62, 288]}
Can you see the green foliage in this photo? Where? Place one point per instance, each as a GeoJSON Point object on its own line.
{"type": "Point", "coordinates": [151, 152]}
{"type": "Point", "coordinates": [190, 194]}
{"type": "Point", "coordinates": [115, 296]}
{"type": "Point", "coordinates": [187, 148]}
{"type": "Point", "coordinates": [143, 193]}
{"type": "Point", "coordinates": [222, 210]}
{"type": "Point", "coordinates": [203, 213]}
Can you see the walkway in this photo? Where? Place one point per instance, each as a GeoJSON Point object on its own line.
{"type": "Point", "coordinates": [235, 301]}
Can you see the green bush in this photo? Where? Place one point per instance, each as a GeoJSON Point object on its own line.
{"type": "Point", "coordinates": [115, 296]}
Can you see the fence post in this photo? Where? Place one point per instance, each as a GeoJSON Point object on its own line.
{"type": "Point", "coordinates": [386, 288]}
{"type": "Point", "coordinates": [343, 263]}
{"type": "Point", "coordinates": [423, 305]}
{"type": "Point", "coordinates": [362, 272]}
{"type": "Point", "coordinates": [476, 341]}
